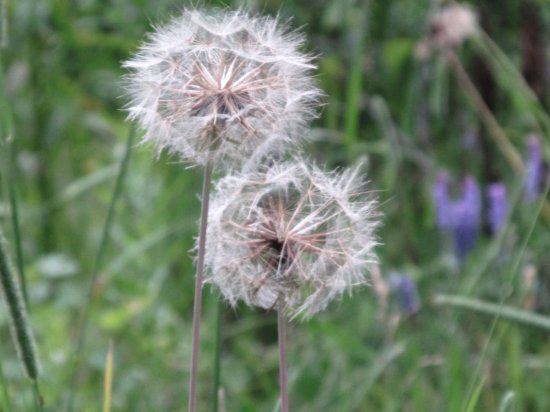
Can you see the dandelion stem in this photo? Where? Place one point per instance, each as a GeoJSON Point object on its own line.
{"type": "Point", "coordinates": [198, 285]}
{"type": "Point", "coordinates": [281, 324]}
{"type": "Point", "coordinates": [217, 356]}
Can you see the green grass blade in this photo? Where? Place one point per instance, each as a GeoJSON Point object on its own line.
{"type": "Point", "coordinates": [354, 89]}
{"type": "Point", "coordinates": [108, 379]}
{"type": "Point", "coordinates": [81, 335]}
{"type": "Point", "coordinates": [495, 309]}
{"type": "Point", "coordinates": [6, 138]}
{"type": "Point", "coordinates": [6, 400]}
{"type": "Point", "coordinates": [474, 399]}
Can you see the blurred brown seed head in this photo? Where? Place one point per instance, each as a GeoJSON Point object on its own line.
{"type": "Point", "coordinates": [452, 25]}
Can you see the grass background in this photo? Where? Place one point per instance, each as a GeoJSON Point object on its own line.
{"type": "Point", "coordinates": [64, 137]}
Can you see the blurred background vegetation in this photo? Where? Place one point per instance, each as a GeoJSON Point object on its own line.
{"type": "Point", "coordinates": [405, 112]}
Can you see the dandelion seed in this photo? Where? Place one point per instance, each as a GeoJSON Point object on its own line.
{"type": "Point", "coordinates": [290, 236]}
{"type": "Point", "coordinates": [221, 85]}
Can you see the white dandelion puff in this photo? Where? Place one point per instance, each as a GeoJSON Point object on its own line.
{"type": "Point", "coordinates": [290, 236]}
{"type": "Point", "coordinates": [453, 24]}
{"type": "Point", "coordinates": [220, 84]}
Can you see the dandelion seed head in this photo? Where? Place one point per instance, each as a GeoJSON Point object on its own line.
{"type": "Point", "coordinates": [453, 24]}
{"type": "Point", "coordinates": [290, 235]}
{"type": "Point", "coordinates": [219, 85]}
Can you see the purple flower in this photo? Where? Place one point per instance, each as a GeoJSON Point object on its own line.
{"type": "Point", "coordinates": [498, 205]}
{"type": "Point", "coordinates": [442, 202]}
{"type": "Point", "coordinates": [460, 217]}
{"type": "Point", "coordinates": [407, 293]}
{"type": "Point", "coordinates": [534, 169]}
{"type": "Point", "coordinates": [470, 140]}
{"type": "Point", "coordinates": [466, 213]}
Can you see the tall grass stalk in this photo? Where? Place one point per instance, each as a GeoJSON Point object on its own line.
{"type": "Point", "coordinates": [207, 180]}
{"type": "Point", "coordinates": [11, 181]}
{"type": "Point", "coordinates": [487, 117]}
{"type": "Point", "coordinates": [354, 89]}
{"type": "Point", "coordinates": [510, 78]}
{"type": "Point", "coordinates": [19, 322]}
{"type": "Point", "coordinates": [6, 400]}
{"type": "Point", "coordinates": [474, 399]}
{"type": "Point", "coordinates": [8, 161]}
{"type": "Point", "coordinates": [108, 380]}
{"type": "Point", "coordinates": [81, 334]}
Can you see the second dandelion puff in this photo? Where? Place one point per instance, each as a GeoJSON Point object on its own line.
{"type": "Point", "coordinates": [290, 236]}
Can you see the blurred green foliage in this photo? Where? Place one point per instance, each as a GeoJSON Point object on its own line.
{"type": "Point", "coordinates": [61, 103]}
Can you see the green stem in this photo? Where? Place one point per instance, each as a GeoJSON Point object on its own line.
{"type": "Point", "coordinates": [81, 335]}
{"type": "Point", "coordinates": [6, 131]}
{"type": "Point", "coordinates": [15, 221]}
{"type": "Point", "coordinates": [354, 91]}
{"type": "Point", "coordinates": [6, 400]}
{"type": "Point", "coordinates": [38, 399]}
{"type": "Point", "coordinates": [21, 330]}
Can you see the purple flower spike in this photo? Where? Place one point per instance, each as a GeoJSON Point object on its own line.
{"type": "Point", "coordinates": [498, 205]}
{"type": "Point", "coordinates": [407, 293]}
{"type": "Point", "coordinates": [442, 202]}
{"type": "Point", "coordinates": [460, 217]}
{"type": "Point", "coordinates": [533, 169]}
{"type": "Point", "coordinates": [466, 216]}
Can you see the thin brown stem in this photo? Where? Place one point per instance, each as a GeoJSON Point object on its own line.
{"type": "Point", "coordinates": [281, 324]}
{"type": "Point", "coordinates": [490, 122]}
{"type": "Point", "coordinates": [198, 285]}
{"type": "Point", "coordinates": [493, 127]}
